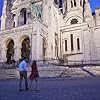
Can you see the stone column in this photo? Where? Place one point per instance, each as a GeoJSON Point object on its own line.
{"type": "Point", "coordinates": [33, 44]}
{"type": "Point", "coordinates": [28, 15]}
{"type": "Point", "coordinates": [3, 54]}
{"type": "Point", "coordinates": [78, 3]}
{"type": "Point", "coordinates": [30, 55]}
{"type": "Point", "coordinates": [16, 20]}
{"type": "Point", "coordinates": [36, 43]}
{"type": "Point", "coordinates": [68, 5]}
{"type": "Point", "coordinates": [39, 46]}
{"type": "Point", "coordinates": [17, 53]}
{"type": "Point", "coordinates": [64, 6]}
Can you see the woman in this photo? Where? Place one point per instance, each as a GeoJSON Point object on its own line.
{"type": "Point", "coordinates": [34, 74]}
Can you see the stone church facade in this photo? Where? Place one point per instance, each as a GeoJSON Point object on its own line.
{"type": "Point", "coordinates": [49, 29]}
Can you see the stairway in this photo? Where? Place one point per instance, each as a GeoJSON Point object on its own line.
{"type": "Point", "coordinates": [54, 71]}
{"type": "Point", "coordinates": [8, 73]}
{"type": "Point", "coordinates": [81, 72]}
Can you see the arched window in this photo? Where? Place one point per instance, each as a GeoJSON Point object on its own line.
{"type": "Point", "coordinates": [75, 3]}
{"type": "Point", "coordinates": [78, 44]}
{"type": "Point", "coordinates": [13, 20]}
{"type": "Point", "coordinates": [80, 3]}
{"type": "Point", "coordinates": [56, 45]}
{"type": "Point", "coordinates": [71, 4]}
{"type": "Point", "coordinates": [23, 17]}
{"type": "Point", "coordinates": [66, 48]}
{"type": "Point", "coordinates": [13, 24]}
{"type": "Point", "coordinates": [44, 47]}
{"type": "Point", "coordinates": [72, 46]}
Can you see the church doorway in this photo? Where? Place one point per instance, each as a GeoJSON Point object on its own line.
{"type": "Point", "coordinates": [10, 51]}
{"type": "Point", "coordinates": [25, 50]}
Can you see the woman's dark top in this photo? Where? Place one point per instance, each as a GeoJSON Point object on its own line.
{"type": "Point", "coordinates": [34, 73]}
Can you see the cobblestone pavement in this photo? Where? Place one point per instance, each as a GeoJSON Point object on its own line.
{"type": "Point", "coordinates": [53, 89]}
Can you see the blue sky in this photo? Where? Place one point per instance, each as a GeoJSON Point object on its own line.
{"type": "Point", "coordinates": [94, 4]}
{"type": "Point", "coordinates": [1, 4]}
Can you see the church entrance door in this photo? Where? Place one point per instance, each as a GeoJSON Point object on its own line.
{"type": "Point", "coordinates": [10, 51]}
{"type": "Point", "coordinates": [25, 50]}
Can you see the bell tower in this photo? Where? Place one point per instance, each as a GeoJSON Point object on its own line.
{"type": "Point", "coordinates": [73, 11]}
{"type": "Point", "coordinates": [71, 5]}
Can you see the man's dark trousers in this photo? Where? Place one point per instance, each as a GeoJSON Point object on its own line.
{"type": "Point", "coordinates": [23, 74]}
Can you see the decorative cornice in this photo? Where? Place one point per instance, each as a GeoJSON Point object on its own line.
{"type": "Point", "coordinates": [17, 29]}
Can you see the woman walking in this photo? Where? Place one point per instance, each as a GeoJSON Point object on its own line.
{"type": "Point", "coordinates": [34, 74]}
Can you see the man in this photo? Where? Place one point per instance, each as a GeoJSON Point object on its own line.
{"type": "Point", "coordinates": [23, 73]}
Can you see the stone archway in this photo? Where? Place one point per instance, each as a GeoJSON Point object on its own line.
{"type": "Point", "coordinates": [10, 51]}
{"type": "Point", "coordinates": [25, 50]}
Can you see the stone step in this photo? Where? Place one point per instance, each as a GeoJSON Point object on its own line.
{"type": "Point", "coordinates": [54, 71]}
{"type": "Point", "coordinates": [8, 73]}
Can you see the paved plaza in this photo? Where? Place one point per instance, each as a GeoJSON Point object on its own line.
{"type": "Point", "coordinates": [53, 89]}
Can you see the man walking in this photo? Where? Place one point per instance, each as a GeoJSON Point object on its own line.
{"type": "Point", "coordinates": [23, 73]}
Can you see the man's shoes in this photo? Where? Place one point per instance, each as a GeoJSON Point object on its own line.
{"type": "Point", "coordinates": [20, 89]}
{"type": "Point", "coordinates": [37, 89]}
{"type": "Point", "coordinates": [25, 89]}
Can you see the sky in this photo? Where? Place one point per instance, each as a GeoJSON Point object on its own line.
{"type": "Point", "coordinates": [93, 3]}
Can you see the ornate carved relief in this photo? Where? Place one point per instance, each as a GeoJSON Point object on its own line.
{"type": "Point", "coordinates": [37, 11]}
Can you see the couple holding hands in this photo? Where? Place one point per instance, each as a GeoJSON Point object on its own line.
{"type": "Point", "coordinates": [23, 74]}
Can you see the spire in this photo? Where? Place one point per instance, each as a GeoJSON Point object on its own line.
{"type": "Point", "coordinates": [86, 0]}
{"type": "Point", "coordinates": [87, 9]}
{"type": "Point", "coordinates": [87, 13]}
{"type": "Point", "coordinates": [5, 19]}
{"type": "Point", "coordinates": [4, 7]}
{"type": "Point", "coordinates": [4, 15]}
{"type": "Point", "coordinates": [73, 4]}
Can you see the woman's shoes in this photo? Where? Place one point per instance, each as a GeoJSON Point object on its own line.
{"type": "Point", "coordinates": [26, 89]}
{"type": "Point", "coordinates": [37, 89]}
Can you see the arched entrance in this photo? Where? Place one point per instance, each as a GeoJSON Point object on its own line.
{"type": "Point", "coordinates": [10, 51]}
{"type": "Point", "coordinates": [25, 50]}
